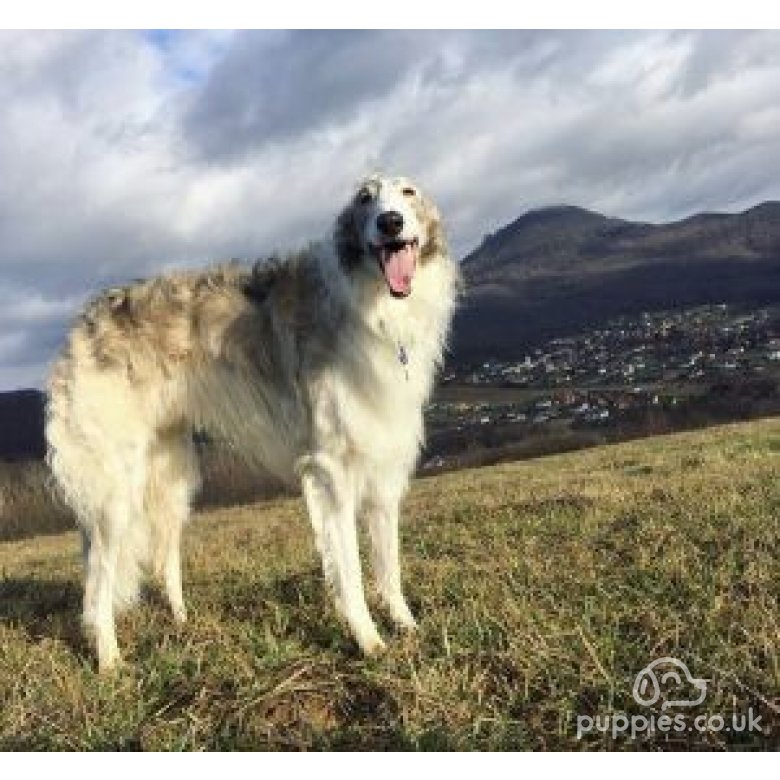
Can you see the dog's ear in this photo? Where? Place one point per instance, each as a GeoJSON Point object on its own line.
{"type": "Point", "coordinates": [435, 242]}
{"type": "Point", "coordinates": [347, 239]}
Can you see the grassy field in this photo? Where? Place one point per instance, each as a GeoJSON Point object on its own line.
{"type": "Point", "coordinates": [542, 587]}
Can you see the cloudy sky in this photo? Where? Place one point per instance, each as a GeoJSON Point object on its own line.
{"type": "Point", "coordinates": [125, 153]}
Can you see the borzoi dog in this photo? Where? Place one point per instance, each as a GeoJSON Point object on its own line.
{"type": "Point", "coordinates": [315, 366]}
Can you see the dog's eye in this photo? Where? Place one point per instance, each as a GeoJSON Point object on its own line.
{"type": "Point", "coordinates": [364, 196]}
{"type": "Point", "coordinates": [410, 192]}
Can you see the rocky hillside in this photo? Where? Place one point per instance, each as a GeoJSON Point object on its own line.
{"type": "Point", "coordinates": [558, 270]}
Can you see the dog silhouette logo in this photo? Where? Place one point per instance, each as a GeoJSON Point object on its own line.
{"type": "Point", "coordinates": [669, 676]}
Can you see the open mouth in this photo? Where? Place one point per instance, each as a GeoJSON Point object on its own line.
{"type": "Point", "coordinates": [398, 261]}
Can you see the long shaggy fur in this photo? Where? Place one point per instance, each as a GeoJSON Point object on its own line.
{"type": "Point", "coordinates": [313, 367]}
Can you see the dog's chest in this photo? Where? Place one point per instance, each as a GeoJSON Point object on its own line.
{"type": "Point", "coordinates": [372, 405]}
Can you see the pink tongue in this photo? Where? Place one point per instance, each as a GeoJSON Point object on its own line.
{"type": "Point", "coordinates": [398, 266]}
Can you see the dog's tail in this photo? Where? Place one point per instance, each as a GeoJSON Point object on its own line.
{"type": "Point", "coordinates": [172, 478]}
{"type": "Point", "coordinates": [132, 560]}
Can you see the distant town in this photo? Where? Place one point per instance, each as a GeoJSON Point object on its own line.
{"type": "Point", "coordinates": [657, 369]}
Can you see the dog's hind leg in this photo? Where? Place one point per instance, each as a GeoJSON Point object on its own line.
{"type": "Point", "coordinates": [330, 497]}
{"type": "Point", "coordinates": [102, 576]}
{"type": "Point", "coordinates": [379, 512]}
{"type": "Point", "coordinates": [117, 551]}
{"type": "Point", "coordinates": [171, 480]}
{"type": "Point", "coordinates": [90, 576]}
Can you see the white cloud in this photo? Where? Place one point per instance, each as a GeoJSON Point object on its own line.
{"type": "Point", "coordinates": [124, 153]}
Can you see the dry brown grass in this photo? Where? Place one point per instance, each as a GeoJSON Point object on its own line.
{"type": "Point", "coordinates": [543, 588]}
{"type": "Point", "coordinates": [29, 506]}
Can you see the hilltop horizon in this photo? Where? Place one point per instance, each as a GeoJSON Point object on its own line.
{"type": "Point", "coordinates": [556, 270]}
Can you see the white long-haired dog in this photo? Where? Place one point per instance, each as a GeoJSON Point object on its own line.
{"type": "Point", "coordinates": [316, 366]}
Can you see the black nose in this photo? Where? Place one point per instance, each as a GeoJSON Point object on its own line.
{"type": "Point", "coordinates": [391, 223]}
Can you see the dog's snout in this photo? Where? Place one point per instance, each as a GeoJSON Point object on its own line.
{"type": "Point", "coordinates": [390, 223]}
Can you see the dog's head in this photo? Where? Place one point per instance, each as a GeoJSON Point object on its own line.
{"type": "Point", "coordinates": [388, 230]}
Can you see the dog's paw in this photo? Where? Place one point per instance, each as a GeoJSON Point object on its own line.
{"type": "Point", "coordinates": [402, 616]}
{"type": "Point", "coordinates": [111, 664]}
{"type": "Point", "coordinates": [371, 644]}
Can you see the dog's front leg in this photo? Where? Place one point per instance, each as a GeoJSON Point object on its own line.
{"type": "Point", "coordinates": [330, 497]}
{"type": "Point", "coordinates": [380, 514]}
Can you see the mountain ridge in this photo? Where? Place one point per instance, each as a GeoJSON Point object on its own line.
{"type": "Point", "coordinates": [559, 269]}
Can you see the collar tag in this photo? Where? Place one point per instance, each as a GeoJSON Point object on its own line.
{"type": "Point", "coordinates": [403, 359]}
